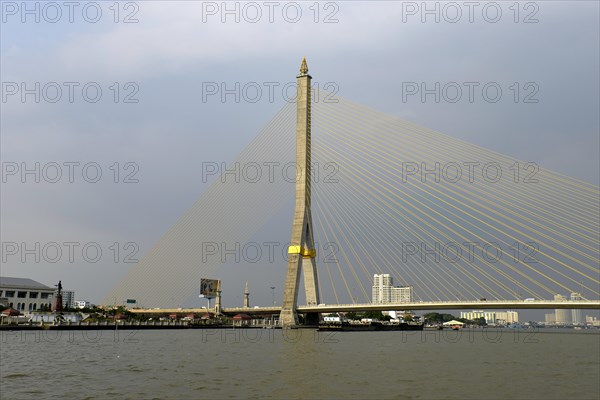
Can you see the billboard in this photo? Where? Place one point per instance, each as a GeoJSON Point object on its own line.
{"type": "Point", "coordinates": [209, 287]}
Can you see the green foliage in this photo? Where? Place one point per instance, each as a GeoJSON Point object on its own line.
{"type": "Point", "coordinates": [434, 317]}
{"type": "Point", "coordinates": [375, 315]}
{"type": "Point", "coordinates": [352, 315]}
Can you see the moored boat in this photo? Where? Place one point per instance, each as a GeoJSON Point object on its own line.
{"type": "Point", "coordinates": [369, 326]}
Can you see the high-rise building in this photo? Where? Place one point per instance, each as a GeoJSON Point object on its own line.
{"type": "Point", "coordinates": [592, 320]}
{"type": "Point", "coordinates": [507, 317]}
{"type": "Point", "coordinates": [382, 287]}
{"type": "Point", "coordinates": [561, 316]}
{"type": "Point", "coordinates": [383, 290]}
{"type": "Point", "coordinates": [489, 316]}
{"type": "Point", "coordinates": [513, 317]}
{"type": "Point", "coordinates": [383, 280]}
{"type": "Point", "coordinates": [550, 318]}
{"type": "Point", "coordinates": [497, 317]}
{"type": "Point", "coordinates": [68, 298]}
{"type": "Point", "coordinates": [577, 315]}
{"type": "Point", "coordinates": [401, 294]}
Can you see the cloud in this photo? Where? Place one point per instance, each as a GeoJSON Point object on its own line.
{"type": "Point", "coordinates": [168, 38]}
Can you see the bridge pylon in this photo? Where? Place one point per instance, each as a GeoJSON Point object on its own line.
{"type": "Point", "coordinates": [301, 253]}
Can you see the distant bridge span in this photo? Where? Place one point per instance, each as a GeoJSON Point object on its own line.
{"type": "Point", "coordinates": [415, 306]}
{"type": "Point", "coordinates": [455, 305]}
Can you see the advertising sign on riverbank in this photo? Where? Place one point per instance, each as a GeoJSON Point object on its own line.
{"type": "Point", "coordinates": [209, 287]}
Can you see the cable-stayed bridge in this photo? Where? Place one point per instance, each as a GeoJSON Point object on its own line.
{"type": "Point", "coordinates": [455, 221]}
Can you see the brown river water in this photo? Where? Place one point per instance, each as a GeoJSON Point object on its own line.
{"type": "Point", "coordinates": [300, 364]}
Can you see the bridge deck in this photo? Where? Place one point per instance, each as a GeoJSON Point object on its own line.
{"type": "Point", "coordinates": [455, 305]}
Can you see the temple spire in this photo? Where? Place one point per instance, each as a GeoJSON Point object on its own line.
{"type": "Point", "coordinates": [304, 67]}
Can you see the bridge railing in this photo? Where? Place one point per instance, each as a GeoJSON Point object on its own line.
{"type": "Point", "coordinates": [456, 301]}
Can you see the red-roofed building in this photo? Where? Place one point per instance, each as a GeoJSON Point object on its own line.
{"type": "Point", "coordinates": [241, 320]}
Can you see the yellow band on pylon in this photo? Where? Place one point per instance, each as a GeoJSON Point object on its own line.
{"type": "Point", "coordinates": [310, 253]}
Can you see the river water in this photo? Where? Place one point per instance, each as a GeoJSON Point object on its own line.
{"type": "Point", "coordinates": [303, 364]}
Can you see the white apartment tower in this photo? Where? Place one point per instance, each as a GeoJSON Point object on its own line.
{"type": "Point", "coordinates": [384, 292]}
{"type": "Point", "coordinates": [561, 315]}
{"type": "Point", "coordinates": [577, 315]}
{"type": "Point", "coordinates": [68, 298]}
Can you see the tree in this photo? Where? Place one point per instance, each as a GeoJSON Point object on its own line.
{"type": "Point", "coordinates": [376, 315]}
{"type": "Point", "coordinates": [448, 317]}
{"type": "Point", "coordinates": [352, 315]}
{"type": "Point", "coordinates": [434, 317]}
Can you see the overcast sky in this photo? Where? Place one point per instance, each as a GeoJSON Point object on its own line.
{"type": "Point", "coordinates": [161, 66]}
